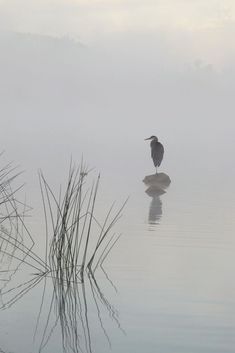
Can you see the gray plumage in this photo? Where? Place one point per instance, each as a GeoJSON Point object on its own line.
{"type": "Point", "coordinates": [157, 151]}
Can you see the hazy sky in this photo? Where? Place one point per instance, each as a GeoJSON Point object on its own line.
{"type": "Point", "coordinates": [155, 66]}
{"type": "Point", "coordinates": [88, 18]}
{"type": "Point", "coordinates": [76, 16]}
{"type": "Point", "coordinates": [207, 26]}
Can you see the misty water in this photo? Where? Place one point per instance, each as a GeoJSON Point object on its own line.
{"type": "Point", "coordinates": [168, 284]}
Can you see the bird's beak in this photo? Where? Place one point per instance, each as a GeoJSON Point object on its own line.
{"type": "Point", "coordinates": [149, 138]}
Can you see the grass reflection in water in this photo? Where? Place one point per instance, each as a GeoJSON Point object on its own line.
{"type": "Point", "coordinates": [77, 244]}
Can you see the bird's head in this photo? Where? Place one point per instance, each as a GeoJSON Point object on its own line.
{"type": "Point", "coordinates": [152, 138]}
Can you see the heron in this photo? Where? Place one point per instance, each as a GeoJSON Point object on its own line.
{"type": "Point", "coordinates": [157, 151]}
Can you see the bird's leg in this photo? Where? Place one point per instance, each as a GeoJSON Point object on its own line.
{"type": "Point", "coordinates": [156, 170]}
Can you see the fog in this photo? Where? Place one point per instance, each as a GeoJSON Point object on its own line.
{"type": "Point", "coordinates": [61, 97]}
{"type": "Point", "coordinates": [91, 80]}
{"type": "Point", "coordinates": [96, 89]}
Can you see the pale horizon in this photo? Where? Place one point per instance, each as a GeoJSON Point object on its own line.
{"type": "Point", "coordinates": [206, 27]}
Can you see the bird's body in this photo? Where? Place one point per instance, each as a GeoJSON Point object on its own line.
{"type": "Point", "coordinates": [157, 151]}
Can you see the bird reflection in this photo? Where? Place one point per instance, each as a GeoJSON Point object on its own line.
{"type": "Point", "coordinates": [156, 183]}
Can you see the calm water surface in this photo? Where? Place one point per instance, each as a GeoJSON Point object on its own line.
{"type": "Point", "coordinates": [168, 285]}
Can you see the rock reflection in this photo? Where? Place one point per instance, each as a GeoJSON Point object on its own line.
{"type": "Point", "coordinates": [155, 210]}
{"type": "Point", "coordinates": [157, 185]}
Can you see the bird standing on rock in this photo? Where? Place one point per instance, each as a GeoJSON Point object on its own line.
{"type": "Point", "coordinates": [157, 151]}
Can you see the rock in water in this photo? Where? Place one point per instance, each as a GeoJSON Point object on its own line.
{"type": "Point", "coordinates": [159, 180]}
